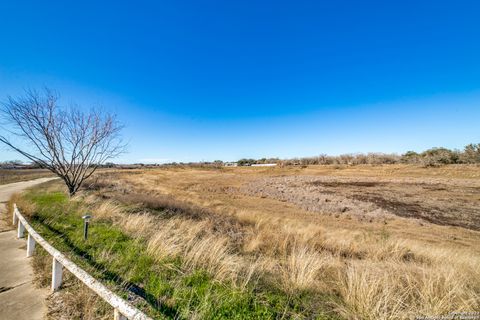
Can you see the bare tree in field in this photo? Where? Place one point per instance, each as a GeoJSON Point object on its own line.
{"type": "Point", "coordinates": [69, 142]}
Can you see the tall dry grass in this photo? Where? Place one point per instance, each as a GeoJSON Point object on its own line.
{"type": "Point", "coordinates": [193, 241]}
{"type": "Point", "coordinates": [392, 290]}
{"type": "Point", "coordinates": [303, 268]}
{"type": "Point", "coordinates": [188, 234]}
{"type": "Point", "coordinates": [28, 208]}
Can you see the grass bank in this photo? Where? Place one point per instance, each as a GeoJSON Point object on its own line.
{"type": "Point", "coordinates": [163, 286]}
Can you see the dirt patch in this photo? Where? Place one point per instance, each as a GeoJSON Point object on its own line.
{"type": "Point", "coordinates": [440, 201]}
{"type": "Point", "coordinates": [336, 184]}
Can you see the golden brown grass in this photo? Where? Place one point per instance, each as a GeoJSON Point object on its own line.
{"type": "Point", "coordinates": [392, 290]}
{"type": "Point", "coordinates": [77, 301]}
{"type": "Point", "coordinates": [303, 267]}
{"type": "Point", "coordinates": [28, 208]}
{"type": "Point", "coordinates": [392, 268]}
{"type": "Point", "coordinates": [199, 249]}
{"type": "Point", "coordinates": [17, 175]}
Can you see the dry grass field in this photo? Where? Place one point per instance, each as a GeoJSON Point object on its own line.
{"type": "Point", "coordinates": [17, 175]}
{"type": "Point", "coordinates": [388, 242]}
{"type": "Point", "coordinates": [326, 242]}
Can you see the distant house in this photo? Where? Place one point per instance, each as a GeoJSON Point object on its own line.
{"type": "Point", "coordinates": [264, 165]}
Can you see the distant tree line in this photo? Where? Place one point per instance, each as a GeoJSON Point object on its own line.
{"type": "Point", "coordinates": [431, 157]}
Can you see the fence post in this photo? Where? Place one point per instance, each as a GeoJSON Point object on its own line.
{"type": "Point", "coordinates": [20, 230]}
{"type": "Point", "coordinates": [118, 316]}
{"type": "Point", "coordinates": [82, 275]}
{"type": "Point", "coordinates": [30, 245]}
{"type": "Point", "coordinates": [15, 218]}
{"type": "Point", "coordinates": [56, 275]}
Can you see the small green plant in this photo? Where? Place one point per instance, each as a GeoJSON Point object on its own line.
{"type": "Point", "coordinates": [384, 234]}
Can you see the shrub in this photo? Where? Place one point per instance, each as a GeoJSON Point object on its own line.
{"type": "Point", "coordinates": [471, 153]}
{"type": "Point", "coordinates": [439, 156]}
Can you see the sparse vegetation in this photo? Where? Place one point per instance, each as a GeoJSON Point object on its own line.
{"type": "Point", "coordinates": [427, 158]}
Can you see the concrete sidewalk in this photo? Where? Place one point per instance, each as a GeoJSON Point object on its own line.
{"type": "Point", "coordinates": [19, 299]}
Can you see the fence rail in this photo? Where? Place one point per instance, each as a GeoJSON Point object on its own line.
{"type": "Point", "coordinates": [122, 309]}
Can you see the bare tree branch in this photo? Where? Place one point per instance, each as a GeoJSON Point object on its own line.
{"type": "Point", "coordinates": [70, 143]}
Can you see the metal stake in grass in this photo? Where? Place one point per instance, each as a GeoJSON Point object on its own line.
{"type": "Point", "coordinates": [86, 221]}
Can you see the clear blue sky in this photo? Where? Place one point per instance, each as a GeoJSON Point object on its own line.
{"type": "Point", "coordinates": [206, 80]}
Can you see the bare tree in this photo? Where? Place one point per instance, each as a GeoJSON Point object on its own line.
{"type": "Point", "coordinates": [69, 142]}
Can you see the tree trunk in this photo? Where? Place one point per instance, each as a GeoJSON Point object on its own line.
{"type": "Point", "coordinates": [71, 190]}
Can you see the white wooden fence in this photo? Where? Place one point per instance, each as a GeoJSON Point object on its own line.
{"type": "Point", "coordinates": [122, 309]}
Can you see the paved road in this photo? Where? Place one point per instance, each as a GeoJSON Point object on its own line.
{"type": "Point", "coordinates": [19, 299]}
